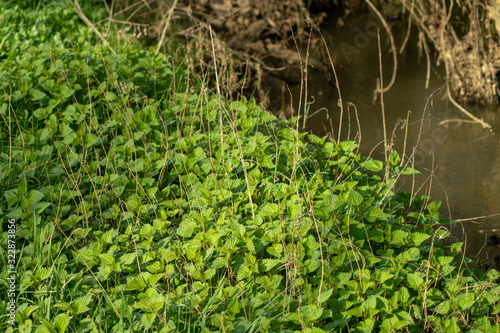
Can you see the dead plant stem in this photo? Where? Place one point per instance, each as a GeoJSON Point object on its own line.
{"type": "Point", "coordinates": [217, 85]}
{"type": "Point", "coordinates": [78, 9]}
{"type": "Point", "coordinates": [409, 28]}
{"type": "Point", "coordinates": [382, 107]}
{"type": "Point", "coordinates": [337, 85]}
{"type": "Point", "coordinates": [393, 47]}
{"type": "Point", "coordinates": [165, 28]}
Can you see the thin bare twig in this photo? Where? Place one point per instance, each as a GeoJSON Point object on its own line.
{"type": "Point", "coordinates": [78, 9]}
{"type": "Point", "coordinates": [382, 107]}
{"type": "Point", "coordinates": [393, 48]}
{"type": "Point", "coordinates": [337, 85]}
{"type": "Point", "coordinates": [165, 28]}
{"type": "Point", "coordinates": [478, 217]}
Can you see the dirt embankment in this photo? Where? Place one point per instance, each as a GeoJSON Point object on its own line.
{"type": "Point", "coordinates": [250, 39]}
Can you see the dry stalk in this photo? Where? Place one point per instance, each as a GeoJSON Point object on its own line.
{"type": "Point", "coordinates": [165, 28]}
{"type": "Point", "coordinates": [386, 148]}
{"type": "Point", "coordinates": [337, 85]}
{"type": "Point", "coordinates": [76, 5]}
{"type": "Point", "coordinates": [393, 49]}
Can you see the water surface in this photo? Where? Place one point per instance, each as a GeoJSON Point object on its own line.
{"type": "Point", "coordinates": [459, 160]}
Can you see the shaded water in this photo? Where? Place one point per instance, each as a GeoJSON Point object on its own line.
{"type": "Point", "coordinates": [459, 161]}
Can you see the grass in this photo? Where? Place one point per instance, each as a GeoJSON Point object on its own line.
{"type": "Point", "coordinates": [144, 201]}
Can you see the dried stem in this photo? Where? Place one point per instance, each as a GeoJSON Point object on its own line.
{"type": "Point", "coordinates": [78, 9]}
{"type": "Point", "coordinates": [393, 48]}
{"type": "Point", "coordinates": [165, 28]}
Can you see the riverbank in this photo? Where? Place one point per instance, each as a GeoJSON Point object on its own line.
{"type": "Point", "coordinates": [144, 200]}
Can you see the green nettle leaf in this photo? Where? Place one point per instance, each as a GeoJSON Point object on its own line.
{"type": "Point", "coordinates": [275, 250]}
{"type": "Point", "coordinates": [12, 197]}
{"type": "Point", "coordinates": [24, 311]}
{"type": "Point", "coordinates": [492, 274]}
{"type": "Point", "coordinates": [456, 248]}
{"type": "Point", "coordinates": [370, 302]}
{"type": "Point", "coordinates": [376, 235]}
{"type": "Point", "coordinates": [152, 279]}
{"type": "Point", "coordinates": [40, 207]}
{"type": "Point", "coordinates": [384, 276]}
{"type": "Point", "coordinates": [410, 171]}
{"type": "Point", "coordinates": [447, 270]}
{"type": "Point", "coordinates": [65, 91]}
{"type": "Point", "coordinates": [22, 187]}
{"type": "Point", "coordinates": [133, 205]}
{"type": "Point", "coordinates": [311, 313]}
{"type": "Point", "coordinates": [152, 191]}
{"type": "Point", "coordinates": [239, 229]}
{"type": "Point", "coordinates": [443, 307]}
{"type": "Point", "coordinates": [147, 230]}
{"type": "Point", "coordinates": [403, 295]}
{"type": "Point", "coordinates": [147, 320]}
{"type": "Point", "coordinates": [44, 135]}
{"type": "Point", "coordinates": [107, 259]}
{"type": "Point", "coordinates": [348, 146]}
{"type": "Point", "coordinates": [354, 198]}
{"type": "Point", "coordinates": [394, 159]}
{"type": "Point", "coordinates": [270, 210]}
{"type": "Point", "coordinates": [311, 265]}
{"type": "Point", "coordinates": [412, 254]}
{"type": "Point", "coordinates": [270, 264]}
{"type": "Point", "coordinates": [399, 237]}
{"type": "Point", "coordinates": [444, 260]}
{"type": "Point", "coordinates": [34, 196]}
{"type": "Point", "coordinates": [392, 324]}
{"type": "Point", "coordinates": [107, 237]}
{"type": "Point", "coordinates": [186, 228]}
{"type": "Point", "coordinates": [111, 213]}
{"type": "Point", "coordinates": [138, 165]}
{"type": "Point", "coordinates": [65, 306]}
{"type": "Point", "coordinates": [61, 322]}
{"type": "Point", "coordinates": [127, 258]}
{"type": "Point", "coordinates": [418, 238]}
{"type": "Point", "coordinates": [79, 307]}
{"type": "Point", "coordinates": [267, 162]}
{"type": "Point", "coordinates": [415, 281]}
{"type": "Point", "coordinates": [325, 295]}
{"type": "Point", "coordinates": [91, 140]}
{"type": "Point", "coordinates": [244, 272]}
{"type": "Point", "coordinates": [249, 245]}
{"type": "Point", "coordinates": [48, 84]}
{"type": "Point", "coordinates": [138, 135]}
{"type": "Point", "coordinates": [43, 273]}
{"type": "Point", "coordinates": [155, 267]}
{"type": "Point", "coordinates": [37, 95]}
{"type": "Point", "coordinates": [373, 165]}
{"type": "Point", "coordinates": [136, 284]}
{"type": "Point", "coordinates": [434, 206]}
{"type": "Point", "coordinates": [375, 213]}
{"type": "Point", "coordinates": [344, 277]}
{"type": "Point", "coordinates": [465, 301]}
{"type": "Point", "coordinates": [364, 326]}
{"type": "Point", "coordinates": [46, 328]}
{"type": "Point", "coordinates": [483, 324]}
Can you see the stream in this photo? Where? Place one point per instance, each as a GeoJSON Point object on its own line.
{"type": "Point", "coordinates": [458, 159]}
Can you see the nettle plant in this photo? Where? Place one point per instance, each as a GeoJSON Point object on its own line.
{"type": "Point", "coordinates": [146, 203]}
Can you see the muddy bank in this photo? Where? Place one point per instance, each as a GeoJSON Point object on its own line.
{"type": "Point", "coordinates": [252, 40]}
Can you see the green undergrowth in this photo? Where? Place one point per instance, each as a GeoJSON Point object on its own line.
{"type": "Point", "coordinates": [144, 202]}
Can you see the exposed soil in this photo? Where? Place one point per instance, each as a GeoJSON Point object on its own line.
{"type": "Point", "coordinates": [256, 40]}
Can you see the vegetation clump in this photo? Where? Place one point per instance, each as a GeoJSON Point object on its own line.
{"type": "Point", "coordinates": [145, 202]}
